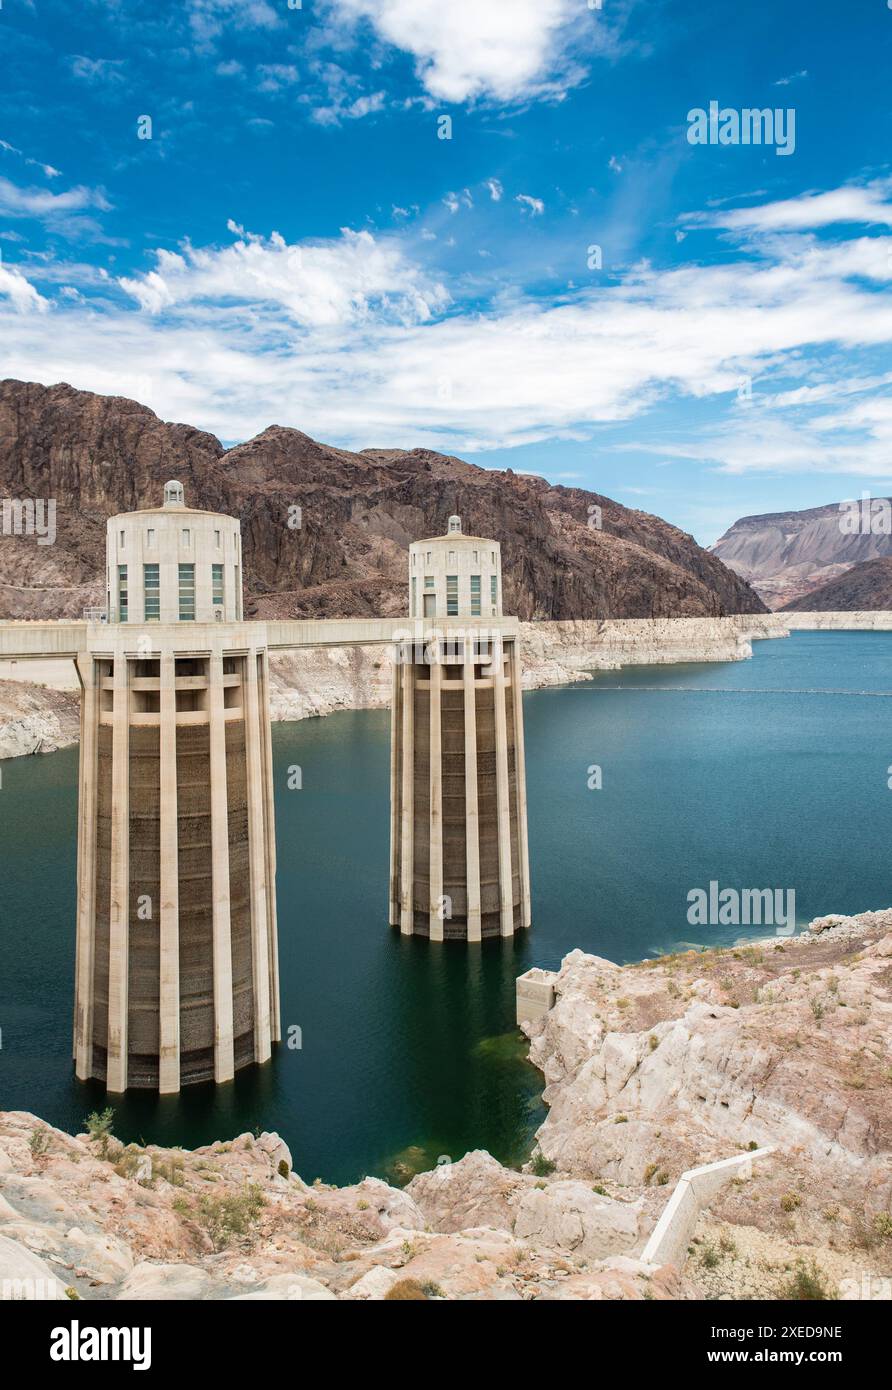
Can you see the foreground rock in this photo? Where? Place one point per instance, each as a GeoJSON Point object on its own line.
{"type": "Point", "coordinates": [650, 1070]}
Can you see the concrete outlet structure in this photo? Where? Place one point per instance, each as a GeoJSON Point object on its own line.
{"type": "Point", "coordinates": [177, 959]}
{"type": "Point", "coordinates": [177, 976]}
{"type": "Point", "coordinates": [459, 860]}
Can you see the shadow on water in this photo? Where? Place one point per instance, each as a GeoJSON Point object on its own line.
{"type": "Point", "coordinates": [408, 1048]}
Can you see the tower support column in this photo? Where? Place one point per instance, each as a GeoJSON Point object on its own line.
{"type": "Point", "coordinates": [472, 821]}
{"type": "Point", "coordinates": [169, 915]}
{"type": "Point", "coordinates": [86, 869]}
{"type": "Point", "coordinates": [119, 910]}
{"type": "Point", "coordinates": [224, 1059]}
{"type": "Point", "coordinates": [523, 848]}
{"type": "Point", "coordinates": [269, 811]}
{"type": "Point", "coordinates": [506, 908]}
{"type": "Point", "coordinates": [257, 861]}
{"type": "Point", "coordinates": [436, 794]}
{"type": "Point", "coordinates": [407, 833]}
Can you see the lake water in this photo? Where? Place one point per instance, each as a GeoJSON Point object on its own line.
{"type": "Point", "coordinates": [771, 773]}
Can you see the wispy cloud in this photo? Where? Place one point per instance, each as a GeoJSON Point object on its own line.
{"type": "Point", "coordinates": [355, 330]}
{"type": "Point", "coordinates": [865, 203]}
{"type": "Point", "coordinates": [98, 70]}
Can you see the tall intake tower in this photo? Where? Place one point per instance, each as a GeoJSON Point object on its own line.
{"type": "Point", "coordinates": [459, 861]}
{"type": "Point", "coordinates": [177, 959]}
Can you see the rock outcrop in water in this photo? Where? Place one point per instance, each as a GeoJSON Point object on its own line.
{"type": "Point", "coordinates": [649, 1069]}
{"type": "Point", "coordinates": [97, 455]}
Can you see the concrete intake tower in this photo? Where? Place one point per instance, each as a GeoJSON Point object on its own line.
{"type": "Point", "coordinates": [177, 960]}
{"type": "Point", "coordinates": [459, 861]}
{"type": "Point", "coordinates": [177, 963]}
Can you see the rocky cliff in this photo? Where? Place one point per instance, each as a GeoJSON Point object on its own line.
{"type": "Point", "coordinates": [864, 587]}
{"type": "Point", "coordinates": [649, 1069]}
{"type": "Point", "coordinates": [97, 455]}
{"type": "Point", "coordinates": [787, 555]}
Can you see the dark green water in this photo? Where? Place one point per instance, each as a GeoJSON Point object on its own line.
{"type": "Point", "coordinates": [409, 1050]}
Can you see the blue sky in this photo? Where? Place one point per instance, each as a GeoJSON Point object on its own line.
{"type": "Point", "coordinates": [295, 245]}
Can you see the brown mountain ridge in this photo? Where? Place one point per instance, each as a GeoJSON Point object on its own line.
{"type": "Point", "coordinates": [97, 455]}
{"type": "Point", "coordinates": [865, 587]}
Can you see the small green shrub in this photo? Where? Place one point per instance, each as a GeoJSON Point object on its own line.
{"type": "Point", "coordinates": [223, 1219]}
{"type": "Point", "coordinates": [99, 1128]}
{"type": "Point", "coordinates": [39, 1142]}
{"type": "Point", "coordinates": [406, 1290]}
{"type": "Point", "coordinates": [807, 1282]}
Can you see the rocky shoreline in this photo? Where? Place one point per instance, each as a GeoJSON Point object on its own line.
{"type": "Point", "coordinates": [649, 1068]}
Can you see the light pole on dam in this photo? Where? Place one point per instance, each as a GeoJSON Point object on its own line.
{"type": "Point", "coordinates": [176, 971]}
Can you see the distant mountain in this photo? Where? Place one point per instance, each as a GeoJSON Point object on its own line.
{"type": "Point", "coordinates": [866, 586]}
{"type": "Point", "coordinates": [785, 555]}
{"type": "Point", "coordinates": [97, 455]}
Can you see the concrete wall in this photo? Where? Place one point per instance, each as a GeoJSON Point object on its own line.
{"type": "Point", "coordinates": [694, 1190]}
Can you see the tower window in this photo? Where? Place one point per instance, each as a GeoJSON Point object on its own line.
{"type": "Point", "coordinates": [122, 540]}
{"type": "Point", "coordinates": [217, 585]}
{"type": "Point", "coordinates": [187, 536]}
{"type": "Point", "coordinates": [414, 597]}
{"type": "Point", "coordinates": [187, 593]}
{"type": "Point", "coordinates": [150, 537]}
{"type": "Point", "coordinates": [152, 592]}
{"type": "Point", "coordinates": [475, 595]}
{"type": "Point", "coordinates": [217, 539]}
{"type": "Point", "coordinates": [452, 595]}
{"type": "Point", "coordinates": [122, 593]}
{"type": "Point", "coordinates": [238, 594]}
{"type": "Point", "coordinates": [428, 581]}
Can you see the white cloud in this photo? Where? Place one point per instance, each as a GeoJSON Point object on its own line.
{"type": "Point", "coordinates": [495, 50]}
{"type": "Point", "coordinates": [535, 205]}
{"type": "Point", "coordinates": [344, 110]}
{"type": "Point", "coordinates": [275, 77]}
{"type": "Point", "coordinates": [495, 190]}
{"type": "Point", "coordinates": [352, 340]}
{"type": "Point", "coordinates": [98, 69]}
{"type": "Point", "coordinates": [22, 295]}
{"type": "Point", "coordinates": [208, 18]}
{"type": "Point", "coordinates": [867, 204]}
{"type": "Point", "coordinates": [47, 169]}
{"type": "Point", "coordinates": [48, 207]}
{"type": "Point", "coordinates": [455, 201]}
{"type": "Point", "coordinates": [319, 285]}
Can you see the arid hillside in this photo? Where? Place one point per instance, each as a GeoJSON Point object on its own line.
{"type": "Point", "coordinates": [358, 512]}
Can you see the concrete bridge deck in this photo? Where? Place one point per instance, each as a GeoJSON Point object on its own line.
{"type": "Point", "coordinates": [65, 640]}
